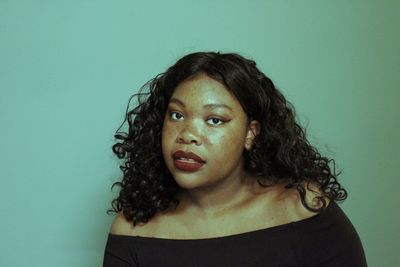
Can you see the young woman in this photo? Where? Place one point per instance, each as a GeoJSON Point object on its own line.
{"type": "Point", "coordinates": [218, 173]}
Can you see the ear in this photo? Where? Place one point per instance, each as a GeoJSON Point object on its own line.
{"type": "Point", "coordinates": [252, 131]}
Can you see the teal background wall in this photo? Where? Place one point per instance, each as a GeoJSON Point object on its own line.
{"type": "Point", "coordinates": [67, 69]}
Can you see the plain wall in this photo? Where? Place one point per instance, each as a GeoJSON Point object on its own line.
{"type": "Point", "coordinates": [67, 69]}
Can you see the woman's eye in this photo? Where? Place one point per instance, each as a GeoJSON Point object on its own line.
{"type": "Point", "coordinates": [175, 115]}
{"type": "Point", "coordinates": [215, 121]}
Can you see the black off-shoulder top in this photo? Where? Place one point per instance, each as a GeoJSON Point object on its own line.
{"type": "Point", "coordinates": [327, 239]}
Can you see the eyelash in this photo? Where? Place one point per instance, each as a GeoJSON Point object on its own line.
{"type": "Point", "coordinates": [171, 113]}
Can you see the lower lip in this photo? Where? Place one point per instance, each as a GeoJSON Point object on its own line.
{"type": "Point", "coordinates": [190, 166]}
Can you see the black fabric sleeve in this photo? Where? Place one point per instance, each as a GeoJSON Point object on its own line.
{"type": "Point", "coordinates": [331, 243]}
{"type": "Point", "coordinates": [119, 252]}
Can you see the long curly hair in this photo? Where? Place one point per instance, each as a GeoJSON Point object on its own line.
{"type": "Point", "coordinates": [280, 151]}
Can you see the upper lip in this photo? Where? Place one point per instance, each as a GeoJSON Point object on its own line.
{"type": "Point", "coordinates": [187, 155]}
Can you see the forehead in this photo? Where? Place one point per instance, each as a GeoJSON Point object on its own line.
{"type": "Point", "coordinates": [203, 90]}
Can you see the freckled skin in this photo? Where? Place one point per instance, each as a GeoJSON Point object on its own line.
{"type": "Point", "coordinates": [217, 135]}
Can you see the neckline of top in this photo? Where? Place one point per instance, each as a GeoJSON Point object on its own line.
{"type": "Point", "coordinates": [332, 205]}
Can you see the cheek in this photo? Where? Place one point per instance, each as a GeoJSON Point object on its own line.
{"type": "Point", "coordinates": [165, 135]}
{"type": "Point", "coordinates": [168, 136]}
{"type": "Point", "coordinates": [227, 145]}
{"type": "Point", "coordinates": [219, 140]}
{"type": "Point", "coordinates": [230, 137]}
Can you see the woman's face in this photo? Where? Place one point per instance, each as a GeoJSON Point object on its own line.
{"type": "Point", "coordinates": [204, 118]}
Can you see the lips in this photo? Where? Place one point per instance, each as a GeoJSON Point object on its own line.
{"type": "Point", "coordinates": [187, 161]}
{"type": "Point", "coordinates": [187, 155]}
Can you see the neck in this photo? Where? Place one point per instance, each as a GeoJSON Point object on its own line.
{"type": "Point", "coordinates": [215, 202]}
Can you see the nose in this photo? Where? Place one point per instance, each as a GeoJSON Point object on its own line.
{"type": "Point", "coordinates": [189, 134]}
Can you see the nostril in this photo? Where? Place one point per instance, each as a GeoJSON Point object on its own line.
{"type": "Point", "coordinates": [185, 140]}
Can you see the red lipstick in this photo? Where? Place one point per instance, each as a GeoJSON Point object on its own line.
{"type": "Point", "coordinates": [187, 161]}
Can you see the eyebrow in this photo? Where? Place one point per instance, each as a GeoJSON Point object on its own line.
{"type": "Point", "coordinates": [207, 106]}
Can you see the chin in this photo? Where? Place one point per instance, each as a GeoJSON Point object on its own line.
{"type": "Point", "coordinates": [186, 181]}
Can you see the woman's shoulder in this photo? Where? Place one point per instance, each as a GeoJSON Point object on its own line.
{"type": "Point", "coordinates": [291, 201]}
{"type": "Point", "coordinates": [295, 211]}
{"type": "Point", "coordinates": [120, 225]}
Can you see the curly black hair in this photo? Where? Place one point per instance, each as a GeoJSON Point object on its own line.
{"type": "Point", "coordinates": [280, 152]}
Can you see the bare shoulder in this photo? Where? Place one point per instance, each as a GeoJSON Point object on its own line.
{"type": "Point", "coordinates": [121, 226]}
{"type": "Point", "coordinates": [313, 195]}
